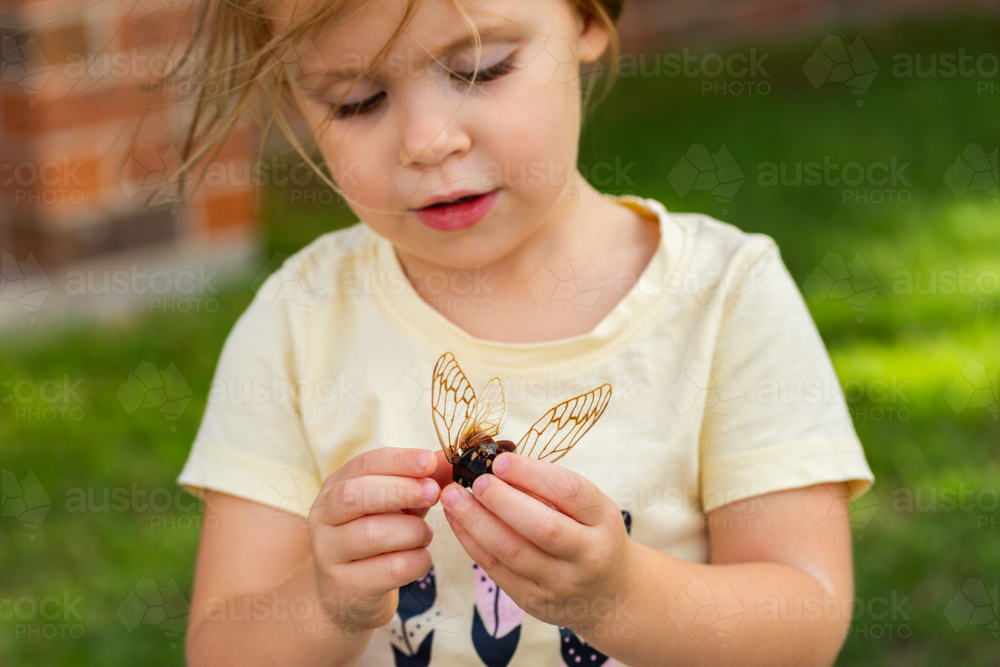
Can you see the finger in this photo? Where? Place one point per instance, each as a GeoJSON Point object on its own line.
{"type": "Point", "coordinates": [572, 494]}
{"type": "Point", "coordinates": [380, 574]}
{"type": "Point", "coordinates": [373, 535]}
{"type": "Point", "coordinates": [494, 541]}
{"type": "Point", "coordinates": [402, 461]}
{"type": "Point", "coordinates": [502, 576]}
{"type": "Point", "coordinates": [546, 527]}
{"type": "Point", "coordinates": [355, 497]}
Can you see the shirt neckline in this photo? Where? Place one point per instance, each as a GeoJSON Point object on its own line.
{"type": "Point", "coordinates": [629, 317]}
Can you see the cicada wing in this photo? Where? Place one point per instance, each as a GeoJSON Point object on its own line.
{"type": "Point", "coordinates": [452, 404]}
{"type": "Point", "coordinates": [490, 413]}
{"type": "Point", "coordinates": [562, 427]}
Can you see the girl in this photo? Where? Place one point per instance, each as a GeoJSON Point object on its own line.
{"type": "Point", "coordinates": [703, 520]}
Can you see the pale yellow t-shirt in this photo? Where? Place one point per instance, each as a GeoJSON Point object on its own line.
{"type": "Point", "coordinates": [722, 390]}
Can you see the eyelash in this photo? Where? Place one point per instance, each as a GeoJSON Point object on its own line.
{"type": "Point", "coordinates": [502, 68]}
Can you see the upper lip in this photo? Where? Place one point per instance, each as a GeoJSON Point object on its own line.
{"type": "Point", "coordinates": [450, 197]}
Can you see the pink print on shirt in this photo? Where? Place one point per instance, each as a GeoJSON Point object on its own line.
{"type": "Point", "coordinates": [496, 622]}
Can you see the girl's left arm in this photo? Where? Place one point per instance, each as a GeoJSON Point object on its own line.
{"type": "Point", "coordinates": [778, 589]}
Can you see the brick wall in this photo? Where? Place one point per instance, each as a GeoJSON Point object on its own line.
{"type": "Point", "coordinates": [645, 24]}
{"type": "Point", "coordinates": [77, 167]}
{"type": "Point", "coordinates": [76, 164]}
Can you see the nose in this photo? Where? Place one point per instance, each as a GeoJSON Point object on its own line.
{"type": "Point", "coordinates": [430, 130]}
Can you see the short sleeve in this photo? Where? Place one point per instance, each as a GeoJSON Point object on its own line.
{"type": "Point", "coordinates": [251, 442]}
{"type": "Point", "coordinates": [789, 426]}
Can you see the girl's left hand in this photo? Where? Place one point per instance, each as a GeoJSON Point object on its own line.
{"type": "Point", "coordinates": [548, 537]}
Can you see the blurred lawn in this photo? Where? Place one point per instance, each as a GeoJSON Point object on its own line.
{"type": "Point", "coordinates": [928, 442]}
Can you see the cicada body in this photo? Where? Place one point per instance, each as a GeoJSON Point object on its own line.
{"type": "Point", "coordinates": [467, 425]}
{"type": "Point", "coordinates": [478, 460]}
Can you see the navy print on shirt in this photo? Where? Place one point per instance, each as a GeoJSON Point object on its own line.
{"type": "Point", "coordinates": [412, 627]}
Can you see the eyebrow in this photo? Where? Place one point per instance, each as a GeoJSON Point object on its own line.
{"type": "Point", "coordinates": [488, 33]}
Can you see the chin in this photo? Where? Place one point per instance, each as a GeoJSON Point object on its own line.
{"type": "Point", "coordinates": [470, 251]}
{"type": "Point", "coordinates": [465, 258]}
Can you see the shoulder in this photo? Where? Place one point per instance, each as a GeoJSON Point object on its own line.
{"type": "Point", "coordinates": [273, 335]}
{"type": "Point", "coordinates": [316, 273]}
{"type": "Point", "coordinates": [716, 242]}
{"type": "Point", "coordinates": [290, 289]}
{"type": "Point", "coordinates": [315, 266]}
{"type": "Point", "coordinates": [705, 254]}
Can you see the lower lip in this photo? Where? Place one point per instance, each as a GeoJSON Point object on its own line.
{"type": "Point", "coordinates": [457, 216]}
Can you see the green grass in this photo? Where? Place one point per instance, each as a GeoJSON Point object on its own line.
{"type": "Point", "coordinates": [920, 445]}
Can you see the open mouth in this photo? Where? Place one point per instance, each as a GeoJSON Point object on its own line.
{"type": "Point", "coordinates": [460, 213]}
{"type": "Point", "coordinates": [460, 200]}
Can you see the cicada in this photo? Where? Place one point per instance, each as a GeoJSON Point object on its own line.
{"type": "Point", "coordinates": [467, 424]}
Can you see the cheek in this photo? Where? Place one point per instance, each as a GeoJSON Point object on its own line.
{"type": "Point", "coordinates": [359, 163]}
{"type": "Point", "coordinates": [536, 128]}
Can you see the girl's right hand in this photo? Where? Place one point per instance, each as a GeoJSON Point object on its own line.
{"type": "Point", "coordinates": [368, 535]}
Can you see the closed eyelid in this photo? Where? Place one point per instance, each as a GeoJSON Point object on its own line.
{"type": "Point", "coordinates": [483, 74]}
{"type": "Point", "coordinates": [494, 70]}
{"type": "Point", "coordinates": [490, 54]}
{"type": "Point", "coordinates": [362, 91]}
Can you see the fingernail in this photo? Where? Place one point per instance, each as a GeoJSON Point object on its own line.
{"type": "Point", "coordinates": [500, 464]}
{"type": "Point", "coordinates": [430, 491]}
{"type": "Point", "coordinates": [423, 458]}
{"type": "Point", "coordinates": [480, 484]}
{"type": "Point", "coordinates": [429, 538]}
{"type": "Point", "coordinates": [450, 497]}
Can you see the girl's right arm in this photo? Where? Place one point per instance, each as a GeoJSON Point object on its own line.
{"type": "Point", "coordinates": [273, 588]}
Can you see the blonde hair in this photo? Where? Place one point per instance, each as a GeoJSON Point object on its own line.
{"type": "Point", "coordinates": [243, 69]}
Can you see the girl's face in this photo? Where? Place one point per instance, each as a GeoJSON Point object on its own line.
{"type": "Point", "coordinates": [412, 133]}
